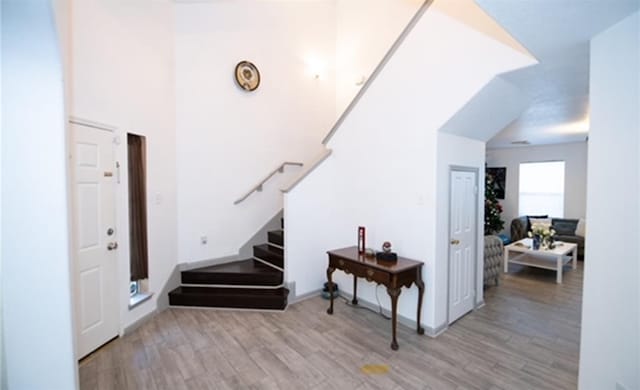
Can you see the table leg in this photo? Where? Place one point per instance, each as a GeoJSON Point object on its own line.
{"type": "Point", "coordinates": [559, 267]}
{"type": "Point", "coordinates": [575, 257]}
{"type": "Point", "coordinates": [355, 290]}
{"type": "Point", "coordinates": [506, 260]}
{"type": "Point", "coordinates": [394, 293]}
{"type": "Point", "coordinates": [329, 274]}
{"type": "Point", "coordinates": [420, 285]}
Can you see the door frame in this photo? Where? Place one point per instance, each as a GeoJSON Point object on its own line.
{"type": "Point", "coordinates": [71, 139]}
{"type": "Point", "coordinates": [462, 168]}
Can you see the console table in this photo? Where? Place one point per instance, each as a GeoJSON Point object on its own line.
{"type": "Point", "coordinates": [393, 275]}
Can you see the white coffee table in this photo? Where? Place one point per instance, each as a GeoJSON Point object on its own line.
{"type": "Point", "coordinates": [553, 259]}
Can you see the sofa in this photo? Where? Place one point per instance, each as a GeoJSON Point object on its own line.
{"type": "Point", "coordinates": [565, 231]}
{"type": "Point", "coordinates": [493, 255]}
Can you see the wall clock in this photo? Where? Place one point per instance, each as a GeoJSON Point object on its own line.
{"type": "Point", "coordinates": [247, 76]}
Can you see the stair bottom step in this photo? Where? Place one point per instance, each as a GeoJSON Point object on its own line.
{"type": "Point", "coordinates": [240, 298]}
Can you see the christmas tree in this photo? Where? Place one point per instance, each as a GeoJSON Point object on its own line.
{"type": "Point", "coordinates": [492, 209]}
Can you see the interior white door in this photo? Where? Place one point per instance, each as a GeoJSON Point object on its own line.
{"type": "Point", "coordinates": [462, 243]}
{"type": "Point", "coordinates": [95, 269]}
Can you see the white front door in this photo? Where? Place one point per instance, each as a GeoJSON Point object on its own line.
{"type": "Point", "coordinates": [95, 268]}
{"type": "Point", "coordinates": [462, 243]}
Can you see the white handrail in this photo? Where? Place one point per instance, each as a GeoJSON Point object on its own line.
{"type": "Point", "coordinates": [258, 187]}
{"type": "Point", "coordinates": [323, 156]}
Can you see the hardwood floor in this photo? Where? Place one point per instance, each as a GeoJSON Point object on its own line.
{"type": "Point", "coordinates": [525, 337]}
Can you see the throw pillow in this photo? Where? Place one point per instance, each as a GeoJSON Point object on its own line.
{"type": "Point", "coordinates": [529, 217]}
{"type": "Point", "coordinates": [581, 229]}
{"type": "Point", "coordinates": [565, 226]}
{"type": "Point", "coordinates": [542, 221]}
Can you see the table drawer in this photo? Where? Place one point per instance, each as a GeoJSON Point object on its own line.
{"type": "Point", "coordinates": [360, 270]}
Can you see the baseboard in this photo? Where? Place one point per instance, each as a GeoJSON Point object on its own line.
{"type": "Point", "coordinates": [306, 296]}
{"type": "Point", "coordinates": [291, 286]}
{"type": "Point", "coordinates": [408, 322]}
{"type": "Point", "coordinates": [173, 282]}
{"type": "Point", "coordinates": [141, 321]}
{"type": "Point", "coordinates": [437, 331]}
{"type": "Point", "coordinates": [207, 263]}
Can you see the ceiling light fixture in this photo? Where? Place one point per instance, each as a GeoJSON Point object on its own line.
{"type": "Point", "coordinates": [523, 142]}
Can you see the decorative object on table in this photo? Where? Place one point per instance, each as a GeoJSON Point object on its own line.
{"type": "Point", "coordinates": [361, 240]}
{"type": "Point", "coordinates": [386, 254]}
{"type": "Point", "coordinates": [542, 235]}
{"type": "Point", "coordinates": [325, 291]}
{"type": "Point", "coordinates": [536, 242]}
{"type": "Point", "coordinates": [247, 76]}
{"type": "Point", "coordinates": [390, 257]}
{"type": "Point", "coordinates": [493, 224]}
{"type": "Point", "coordinates": [369, 252]}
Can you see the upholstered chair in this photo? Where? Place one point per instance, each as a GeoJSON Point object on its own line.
{"type": "Point", "coordinates": [493, 256]}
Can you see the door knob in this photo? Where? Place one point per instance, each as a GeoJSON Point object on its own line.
{"type": "Point", "coordinates": [455, 242]}
{"type": "Point", "coordinates": [112, 245]}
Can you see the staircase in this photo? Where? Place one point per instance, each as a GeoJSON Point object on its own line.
{"type": "Point", "coordinates": [255, 283]}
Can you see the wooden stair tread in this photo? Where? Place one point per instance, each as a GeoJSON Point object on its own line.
{"type": "Point", "coordinates": [247, 298]}
{"type": "Point", "coordinates": [276, 237]}
{"type": "Point", "coordinates": [242, 266]}
{"type": "Point", "coordinates": [243, 272]}
{"type": "Point", "coordinates": [228, 291]}
{"type": "Point", "coordinates": [269, 254]}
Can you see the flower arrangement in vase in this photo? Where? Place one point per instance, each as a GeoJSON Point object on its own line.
{"type": "Point", "coordinates": [542, 235]}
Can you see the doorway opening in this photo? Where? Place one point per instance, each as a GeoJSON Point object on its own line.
{"type": "Point", "coordinates": [138, 240]}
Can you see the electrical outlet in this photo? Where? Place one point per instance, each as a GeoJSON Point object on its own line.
{"type": "Point", "coordinates": [203, 240]}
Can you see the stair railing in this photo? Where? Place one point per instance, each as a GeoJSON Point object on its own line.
{"type": "Point", "coordinates": [258, 187]}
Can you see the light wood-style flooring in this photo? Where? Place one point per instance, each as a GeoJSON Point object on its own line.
{"type": "Point", "coordinates": [525, 337]}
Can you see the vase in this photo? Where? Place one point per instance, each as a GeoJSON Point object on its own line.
{"type": "Point", "coordinates": [536, 242]}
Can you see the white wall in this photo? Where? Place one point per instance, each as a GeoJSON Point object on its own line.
{"type": "Point", "coordinates": [461, 152]}
{"type": "Point", "coordinates": [123, 75]}
{"type": "Point", "coordinates": [365, 30]}
{"type": "Point", "coordinates": [38, 337]}
{"type": "Point", "coordinates": [3, 377]}
{"type": "Point", "coordinates": [382, 173]}
{"type": "Point", "coordinates": [610, 343]}
{"type": "Point", "coordinates": [575, 187]}
{"type": "Point", "coordinates": [229, 139]}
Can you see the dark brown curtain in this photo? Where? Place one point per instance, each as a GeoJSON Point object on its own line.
{"type": "Point", "coordinates": [139, 262]}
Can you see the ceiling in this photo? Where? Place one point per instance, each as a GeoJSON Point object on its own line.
{"type": "Point", "coordinates": [557, 33]}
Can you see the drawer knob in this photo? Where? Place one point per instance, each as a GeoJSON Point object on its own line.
{"type": "Point", "coordinates": [369, 273]}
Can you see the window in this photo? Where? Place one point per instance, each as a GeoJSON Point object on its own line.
{"type": "Point", "coordinates": [134, 288]}
{"type": "Point", "coordinates": [542, 189]}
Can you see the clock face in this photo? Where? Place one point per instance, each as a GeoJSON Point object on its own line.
{"type": "Point", "coordinates": [247, 76]}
